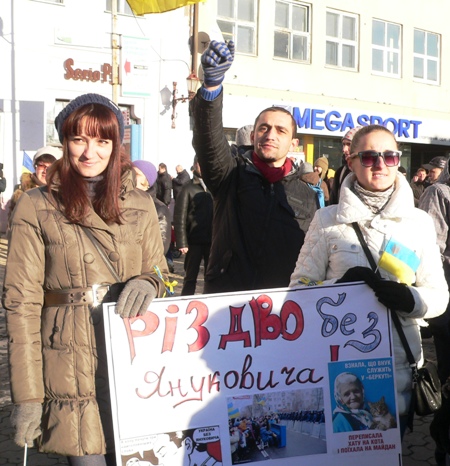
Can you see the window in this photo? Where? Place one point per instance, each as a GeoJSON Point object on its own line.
{"type": "Point", "coordinates": [342, 40]}
{"type": "Point", "coordinates": [237, 21]}
{"type": "Point", "coordinates": [329, 147]}
{"type": "Point", "coordinates": [386, 48]}
{"type": "Point", "coordinates": [426, 56]}
{"type": "Point", "coordinates": [122, 7]}
{"type": "Point", "coordinates": [292, 31]}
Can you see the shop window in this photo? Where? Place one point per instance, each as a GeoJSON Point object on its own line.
{"type": "Point", "coordinates": [331, 148]}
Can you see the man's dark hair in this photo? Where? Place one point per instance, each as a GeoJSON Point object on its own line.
{"type": "Point", "coordinates": [282, 110]}
{"type": "Point", "coordinates": [45, 158]}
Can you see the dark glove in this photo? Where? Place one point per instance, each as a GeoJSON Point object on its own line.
{"type": "Point", "coordinates": [216, 60]}
{"type": "Point", "coordinates": [135, 298]}
{"type": "Point", "coordinates": [395, 296]}
{"type": "Point", "coordinates": [26, 420]}
{"type": "Point", "coordinates": [360, 274]}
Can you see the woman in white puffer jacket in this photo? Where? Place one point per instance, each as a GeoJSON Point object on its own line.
{"type": "Point", "coordinates": [382, 204]}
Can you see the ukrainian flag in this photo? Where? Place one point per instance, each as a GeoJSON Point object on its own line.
{"type": "Point", "coordinates": [260, 399]}
{"type": "Point", "coordinates": [142, 7]}
{"type": "Point", "coordinates": [400, 261]}
{"type": "Point", "coordinates": [232, 411]}
{"type": "Point", "coordinates": [27, 164]}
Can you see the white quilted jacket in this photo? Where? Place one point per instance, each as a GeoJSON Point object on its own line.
{"type": "Point", "coordinates": [331, 247]}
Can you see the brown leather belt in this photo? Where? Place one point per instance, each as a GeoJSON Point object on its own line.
{"type": "Point", "coordinates": [91, 296]}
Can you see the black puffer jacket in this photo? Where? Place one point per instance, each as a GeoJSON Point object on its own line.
{"type": "Point", "coordinates": [179, 181]}
{"type": "Point", "coordinates": [193, 215]}
{"type": "Point", "coordinates": [164, 188]}
{"type": "Point", "coordinates": [258, 227]}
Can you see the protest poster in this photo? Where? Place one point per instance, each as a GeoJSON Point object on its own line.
{"type": "Point", "coordinates": [251, 376]}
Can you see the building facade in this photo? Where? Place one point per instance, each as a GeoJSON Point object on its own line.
{"type": "Point", "coordinates": [340, 63]}
{"type": "Point", "coordinates": [55, 50]}
{"type": "Point", "coordinates": [334, 63]}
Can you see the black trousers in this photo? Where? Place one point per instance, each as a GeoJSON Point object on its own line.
{"type": "Point", "coordinates": [192, 262]}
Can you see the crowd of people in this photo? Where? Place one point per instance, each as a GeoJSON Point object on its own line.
{"type": "Point", "coordinates": [255, 217]}
{"type": "Point", "coordinates": [251, 434]}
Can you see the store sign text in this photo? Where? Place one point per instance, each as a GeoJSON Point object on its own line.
{"type": "Point", "coordinates": [317, 119]}
{"type": "Point", "coordinates": [78, 74]}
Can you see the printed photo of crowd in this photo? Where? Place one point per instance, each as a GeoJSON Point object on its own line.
{"type": "Point", "coordinates": [276, 425]}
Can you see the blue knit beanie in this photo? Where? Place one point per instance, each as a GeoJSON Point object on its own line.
{"type": "Point", "coordinates": [87, 99]}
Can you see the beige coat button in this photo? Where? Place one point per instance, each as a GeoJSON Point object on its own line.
{"type": "Point", "coordinates": [114, 256]}
{"type": "Point", "coordinates": [88, 258]}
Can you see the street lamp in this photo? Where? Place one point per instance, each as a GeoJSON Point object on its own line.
{"type": "Point", "coordinates": [170, 99]}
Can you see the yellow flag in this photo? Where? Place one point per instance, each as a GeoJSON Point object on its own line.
{"type": "Point", "coordinates": [142, 7]}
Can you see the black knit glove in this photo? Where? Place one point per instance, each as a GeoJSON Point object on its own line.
{"type": "Point", "coordinates": [395, 296]}
{"type": "Point", "coordinates": [26, 420]}
{"type": "Point", "coordinates": [359, 274]}
{"type": "Point", "coordinates": [216, 60]}
{"type": "Point", "coordinates": [135, 298]}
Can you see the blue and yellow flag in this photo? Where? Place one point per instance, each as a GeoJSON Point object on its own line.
{"type": "Point", "coordinates": [232, 411]}
{"type": "Point", "coordinates": [27, 164]}
{"type": "Point", "coordinates": [142, 7]}
{"type": "Point", "coordinates": [400, 261]}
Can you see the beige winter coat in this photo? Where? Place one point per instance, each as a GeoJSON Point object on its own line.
{"type": "Point", "coordinates": [57, 354]}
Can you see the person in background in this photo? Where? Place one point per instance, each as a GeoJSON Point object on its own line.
{"type": "Point", "coordinates": [375, 198]}
{"type": "Point", "coordinates": [164, 185]}
{"type": "Point", "coordinates": [343, 170]}
{"type": "Point", "coordinates": [402, 170]}
{"type": "Point", "coordinates": [435, 200]}
{"type": "Point", "coordinates": [321, 167]}
{"type": "Point", "coordinates": [2, 180]}
{"type": "Point", "coordinates": [57, 354]}
{"type": "Point", "coordinates": [434, 167]}
{"type": "Point", "coordinates": [418, 184]}
{"type": "Point", "coordinates": [42, 160]}
{"type": "Point", "coordinates": [243, 141]}
{"type": "Point", "coordinates": [314, 181]}
{"type": "Point", "coordinates": [179, 181]}
{"type": "Point", "coordinates": [193, 227]}
{"type": "Point", "coordinates": [146, 175]}
{"type": "Point", "coordinates": [164, 194]}
{"type": "Point", "coordinates": [326, 173]}
{"type": "Point", "coordinates": [261, 207]}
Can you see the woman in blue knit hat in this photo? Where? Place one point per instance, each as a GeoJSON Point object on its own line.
{"type": "Point", "coordinates": [87, 237]}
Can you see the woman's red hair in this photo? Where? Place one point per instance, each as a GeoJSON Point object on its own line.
{"type": "Point", "coordinates": [70, 191]}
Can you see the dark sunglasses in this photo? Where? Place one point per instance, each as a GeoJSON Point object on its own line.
{"type": "Point", "coordinates": [369, 158]}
